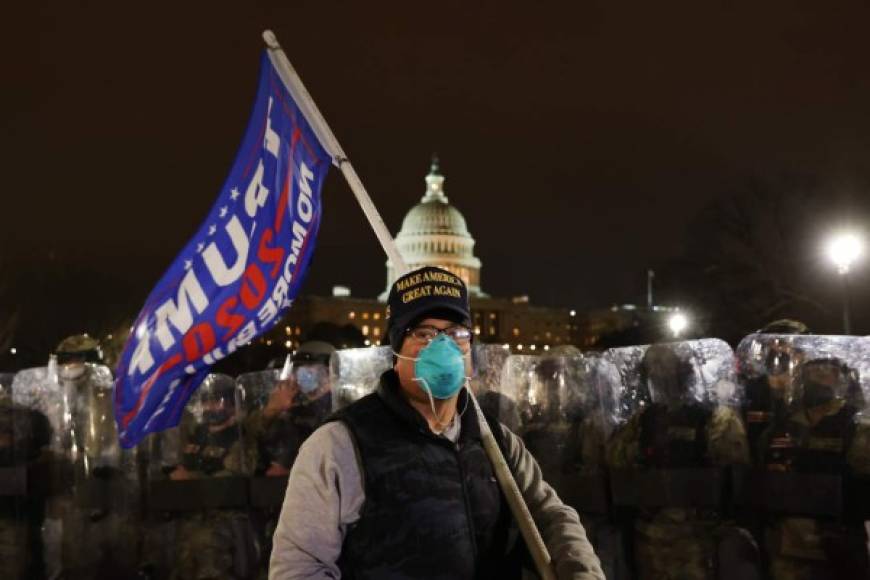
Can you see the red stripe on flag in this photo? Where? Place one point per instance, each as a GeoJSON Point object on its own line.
{"type": "Point", "coordinates": [147, 387]}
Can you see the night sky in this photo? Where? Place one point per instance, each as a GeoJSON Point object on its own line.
{"type": "Point", "coordinates": [578, 138]}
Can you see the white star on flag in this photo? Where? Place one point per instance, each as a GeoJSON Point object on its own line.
{"type": "Point", "coordinates": [223, 211]}
{"type": "Point", "coordinates": [234, 193]}
{"type": "Point", "coordinates": [188, 264]}
{"type": "Point", "coordinates": [199, 247]}
{"type": "Point", "coordinates": [212, 229]}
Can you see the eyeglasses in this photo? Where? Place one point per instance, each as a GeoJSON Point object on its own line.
{"type": "Point", "coordinates": [426, 333]}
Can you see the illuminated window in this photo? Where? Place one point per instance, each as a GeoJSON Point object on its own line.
{"type": "Point", "coordinates": [532, 347]}
{"type": "Point", "coordinates": [548, 334]}
{"type": "Point", "coordinates": [365, 329]}
{"type": "Point", "coordinates": [376, 316]}
{"type": "Point", "coordinates": [519, 347]}
{"type": "Point", "coordinates": [477, 330]}
{"type": "Point", "coordinates": [289, 331]}
{"type": "Point", "coordinates": [516, 331]}
{"type": "Point", "coordinates": [365, 315]}
{"type": "Point", "coordinates": [289, 344]}
{"type": "Point", "coordinates": [368, 342]}
{"type": "Point", "coordinates": [492, 315]}
{"type": "Point", "coordinates": [351, 315]}
{"type": "Point", "coordinates": [376, 331]}
{"type": "Point", "coordinates": [298, 331]}
{"type": "Point", "coordinates": [492, 330]}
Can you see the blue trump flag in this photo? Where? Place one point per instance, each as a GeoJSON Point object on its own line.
{"type": "Point", "coordinates": [237, 276]}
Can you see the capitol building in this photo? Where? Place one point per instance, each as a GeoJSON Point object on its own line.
{"type": "Point", "coordinates": [433, 233]}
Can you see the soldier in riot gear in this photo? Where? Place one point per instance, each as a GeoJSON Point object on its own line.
{"type": "Point", "coordinates": [551, 423]}
{"type": "Point", "coordinates": [101, 499]}
{"type": "Point", "coordinates": [820, 436]}
{"type": "Point", "coordinates": [214, 541]}
{"type": "Point", "coordinates": [24, 436]}
{"type": "Point", "coordinates": [767, 394]}
{"type": "Point", "coordinates": [295, 408]}
{"type": "Point", "coordinates": [298, 401]}
{"type": "Point", "coordinates": [678, 433]}
{"type": "Point", "coordinates": [567, 434]}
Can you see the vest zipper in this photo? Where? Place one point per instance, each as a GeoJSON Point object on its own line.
{"type": "Point", "coordinates": [468, 519]}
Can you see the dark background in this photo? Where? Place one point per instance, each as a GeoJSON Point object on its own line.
{"type": "Point", "coordinates": [717, 142]}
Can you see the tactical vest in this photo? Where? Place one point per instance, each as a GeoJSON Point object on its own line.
{"type": "Point", "coordinates": [673, 439]}
{"type": "Point", "coordinates": [812, 449]}
{"type": "Point", "coordinates": [206, 451]}
{"type": "Point", "coordinates": [432, 509]}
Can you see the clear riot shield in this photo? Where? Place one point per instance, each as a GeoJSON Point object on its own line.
{"type": "Point", "coordinates": [493, 388]}
{"type": "Point", "coordinates": [101, 516]}
{"type": "Point", "coordinates": [677, 425]}
{"type": "Point", "coordinates": [805, 413]}
{"type": "Point", "coordinates": [564, 403]}
{"type": "Point", "coordinates": [204, 460]}
{"type": "Point", "coordinates": [355, 372]}
{"type": "Point", "coordinates": [203, 497]}
{"type": "Point", "coordinates": [270, 435]}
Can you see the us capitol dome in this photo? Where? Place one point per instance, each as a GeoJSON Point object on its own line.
{"type": "Point", "coordinates": [434, 233]}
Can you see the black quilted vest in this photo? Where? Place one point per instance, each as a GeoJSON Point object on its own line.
{"type": "Point", "coordinates": [432, 509]}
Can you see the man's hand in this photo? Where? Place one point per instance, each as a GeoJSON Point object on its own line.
{"type": "Point", "coordinates": [180, 473]}
{"type": "Point", "coordinates": [277, 470]}
{"type": "Point", "coordinates": [281, 399]}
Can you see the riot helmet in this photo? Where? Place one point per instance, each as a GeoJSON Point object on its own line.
{"type": "Point", "coordinates": [784, 326]}
{"type": "Point", "coordinates": [74, 352]}
{"type": "Point", "coordinates": [309, 366]}
{"type": "Point", "coordinates": [668, 373]}
{"type": "Point", "coordinates": [218, 400]}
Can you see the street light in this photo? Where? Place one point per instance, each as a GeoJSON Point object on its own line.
{"type": "Point", "coordinates": [678, 322]}
{"type": "Point", "coordinates": [844, 249]}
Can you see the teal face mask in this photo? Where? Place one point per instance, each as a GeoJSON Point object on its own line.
{"type": "Point", "coordinates": [440, 367]}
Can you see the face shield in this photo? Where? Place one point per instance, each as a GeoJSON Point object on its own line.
{"type": "Point", "coordinates": [823, 381]}
{"type": "Point", "coordinates": [669, 375]}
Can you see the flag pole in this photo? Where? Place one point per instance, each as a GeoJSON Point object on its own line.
{"type": "Point", "coordinates": [505, 478]}
{"type": "Point", "coordinates": [330, 143]}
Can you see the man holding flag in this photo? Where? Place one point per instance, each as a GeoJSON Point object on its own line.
{"type": "Point", "coordinates": [235, 279]}
{"type": "Point", "coordinates": [399, 485]}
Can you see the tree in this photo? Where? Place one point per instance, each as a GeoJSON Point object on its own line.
{"type": "Point", "coordinates": [752, 257]}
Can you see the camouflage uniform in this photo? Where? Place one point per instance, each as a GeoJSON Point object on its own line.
{"type": "Point", "coordinates": [818, 437]}
{"type": "Point", "coordinates": [214, 543]}
{"type": "Point", "coordinates": [566, 433]}
{"type": "Point", "coordinates": [677, 543]}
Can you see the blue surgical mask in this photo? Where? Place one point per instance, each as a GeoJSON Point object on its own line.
{"type": "Point", "coordinates": [440, 367]}
{"type": "Point", "coordinates": [308, 378]}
